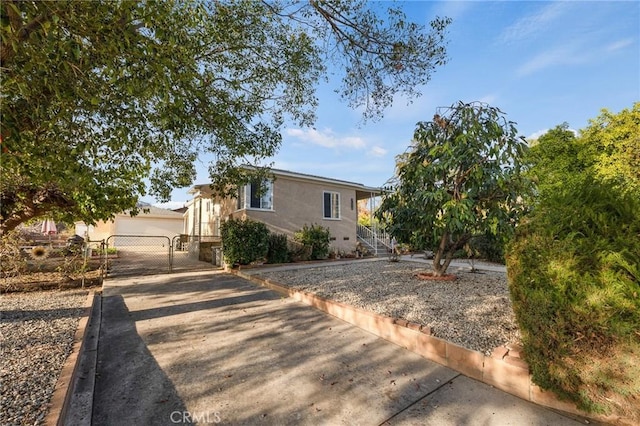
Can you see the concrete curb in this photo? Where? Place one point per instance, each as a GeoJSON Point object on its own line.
{"type": "Point", "coordinates": [61, 394]}
{"type": "Point", "coordinates": [63, 399]}
{"type": "Point", "coordinates": [504, 369]}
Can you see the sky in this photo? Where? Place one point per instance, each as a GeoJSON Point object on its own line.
{"type": "Point", "coordinates": [542, 63]}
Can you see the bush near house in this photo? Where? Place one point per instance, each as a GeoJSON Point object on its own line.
{"type": "Point", "coordinates": [574, 277]}
{"type": "Point", "coordinates": [244, 241]}
{"type": "Point", "coordinates": [278, 251]}
{"type": "Point", "coordinates": [317, 237]}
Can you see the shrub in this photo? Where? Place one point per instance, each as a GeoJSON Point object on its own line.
{"type": "Point", "coordinates": [278, 251]}
{"type": "Point", "coordinates": [317, 237]}
{"type": "Point", "coordinates": [489, 247]}
{"type": "Point", "coordinates": [73, 264]}
{"type": "Point", "coordinates": [244, 241]}
{"type": "Point", "coordinates": [298, 251]}
{"type": "Point", "coordinates": [12, 261]}
{"type": "Point", "coordinates": [574, 278]}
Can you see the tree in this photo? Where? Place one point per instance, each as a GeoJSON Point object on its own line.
{"type": "Point", "coordinates": [101, 99]}
{"type": "Point", "coordinates": [460, 178]}
{"type": "Point", "coordinates": [574, 266]}
{"type": "Point", "coordinates": [554, 161]}
{"type": "Point", "coordinates": [612, 142]}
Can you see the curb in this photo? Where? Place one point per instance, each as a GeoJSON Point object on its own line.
{"type": "Point", "coordinates": [64, 399]}
{"type": "Point", "coordinates": [504, 369]}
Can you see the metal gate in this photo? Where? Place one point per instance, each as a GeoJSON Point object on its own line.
{"type": "Point", "coordinates": [146, 255]}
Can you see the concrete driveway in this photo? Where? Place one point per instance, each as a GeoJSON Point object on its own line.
{"type": "Point", "coordinates": [212, 348]}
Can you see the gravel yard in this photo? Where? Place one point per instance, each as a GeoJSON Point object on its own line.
{"type": "Point", "coordinates": [36, 337]}
{"type": "Point", "coordinates": [473, 311]}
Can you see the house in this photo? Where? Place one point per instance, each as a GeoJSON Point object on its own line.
{"type": "Point", "coordinates": [290, 201]}
{"type": "Point", "coordinates": [150, 221]}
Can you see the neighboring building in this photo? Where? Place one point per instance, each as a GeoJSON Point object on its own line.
{"type": "Point", "coordinates": [291, 201]}
{"type": "Point", "coordinates": [154, 222]}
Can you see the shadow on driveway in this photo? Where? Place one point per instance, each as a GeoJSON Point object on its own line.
{"type": "Point", "coordinates": [216, 349]}
{"type": "Point", "coordinates": [131, 388]}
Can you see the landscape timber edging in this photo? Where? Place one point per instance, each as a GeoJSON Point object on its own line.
{"type": "Point", "coordinates": [59, 403]}
{"type": "Point", "coordinates": [504, 369]}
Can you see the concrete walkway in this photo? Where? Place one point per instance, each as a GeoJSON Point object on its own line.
{"type": "Point", "coordinates": [206, 347]}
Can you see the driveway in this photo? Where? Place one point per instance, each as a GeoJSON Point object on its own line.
{"type": "Point", "coordinates": [208, 347]}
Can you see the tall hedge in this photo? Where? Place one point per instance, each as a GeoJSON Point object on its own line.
{"type": "Point", "coordinates": [244, 241]}
{"type": "Point", "coordinates": [574, 271]}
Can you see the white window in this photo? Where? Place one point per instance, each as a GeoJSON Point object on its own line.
{"type": "Point", "coordinates": [331, 205]}
{"type": "Point", "coordinates": [252, 197]}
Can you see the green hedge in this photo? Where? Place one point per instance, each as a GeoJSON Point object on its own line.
{"type": "Point", "coordinates": [574, 271]}
{"type": "Point", "coordinates": [278, 249]}
{"type": "Point", "coordinates": [244, 241]}
{"type": "Point", "coordinates": [317, 237]}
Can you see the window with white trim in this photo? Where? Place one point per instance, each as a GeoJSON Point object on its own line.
{"type": "Point", "coordinates": [252, 197]}
{"type": "Point", "coordinates": [331, 205]}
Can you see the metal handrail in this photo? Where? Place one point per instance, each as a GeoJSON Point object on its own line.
{"type": "Point", "coordinates": [372, 238]}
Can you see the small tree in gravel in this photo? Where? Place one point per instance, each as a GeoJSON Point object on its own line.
{"type": "Point", "coordinates": [460, 178]}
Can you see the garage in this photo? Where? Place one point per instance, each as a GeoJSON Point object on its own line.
{"type": "Point", "coordinates": [154, 222]}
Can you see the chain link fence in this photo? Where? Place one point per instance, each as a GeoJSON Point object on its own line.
{"type": "Point", "coordinates": [145, 255]}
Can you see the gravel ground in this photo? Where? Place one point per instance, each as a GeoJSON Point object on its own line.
{"type": "Point", "coordinates": [473, 311]}
{"type": "Point", "coordinates": [36, 337]}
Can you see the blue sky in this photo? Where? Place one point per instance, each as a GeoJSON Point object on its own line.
{"type": "Point", "coordinates": [541, 63]}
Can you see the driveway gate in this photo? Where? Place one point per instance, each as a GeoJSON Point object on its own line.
{"type": "Point", "coordinates": [145, 255]}
{"type": "Point", "coordinates": [139, 254]}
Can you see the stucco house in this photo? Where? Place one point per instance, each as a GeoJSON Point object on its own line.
{"type": "Point", "coordinates": [290, 201]}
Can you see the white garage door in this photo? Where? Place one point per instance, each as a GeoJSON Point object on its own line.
{"type": "Point", "coordinates": [148, 226]}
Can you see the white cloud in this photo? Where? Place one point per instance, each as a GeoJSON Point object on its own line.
{"type": "Point", "coordinates": [561, 55]}
{"type": "Point", "coordinates": [377, 151]}
{"type": "Point", "coordinates": [489, 99]}
{"type": "Point", "coordinates": [327, 138]}
{"type": "Point", "coordinates": [536, 135]}
{"type": "Point", "coordinates": [451, 9]}
{"type": "Point", "coordinates": [620, 44]}
{"type": "Point", "coordinates": [528, 26]}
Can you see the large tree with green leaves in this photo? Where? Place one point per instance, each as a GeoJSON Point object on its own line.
{"type": "Point", "coordinates": [460, 178]}
{"type": "Point", "coordinates": [103, 102]}
{"type": "Point", "coordinates": [607, 149]}
{"type": "Point", "coordinates": [574, 265]}
{"type": "Point", "coordinates": [612, 142]}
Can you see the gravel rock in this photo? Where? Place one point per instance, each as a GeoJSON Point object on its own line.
{"type": "Point", "coordinates": [473, 311]}
{"type": "Point", "coordinates": [36, 337]}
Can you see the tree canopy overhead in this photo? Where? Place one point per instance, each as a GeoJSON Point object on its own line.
{"type": "Point", "coordinates": [99, 97]}
{"type": "Point", "coordinates": [461, 178]}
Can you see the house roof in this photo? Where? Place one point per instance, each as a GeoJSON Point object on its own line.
{"type": "Point", "coordinates": [303, 176]}
{"type": "Point", "coordinates": [154, 212]}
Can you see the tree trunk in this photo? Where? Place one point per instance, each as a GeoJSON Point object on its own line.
{"type": "Point", "coordinates": [438, 268]}
{"type": "Point", "coordinates": [447, 251]}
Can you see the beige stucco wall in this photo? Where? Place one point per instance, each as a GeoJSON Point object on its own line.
{"type": "Point", "coordinates": [297, 202]}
